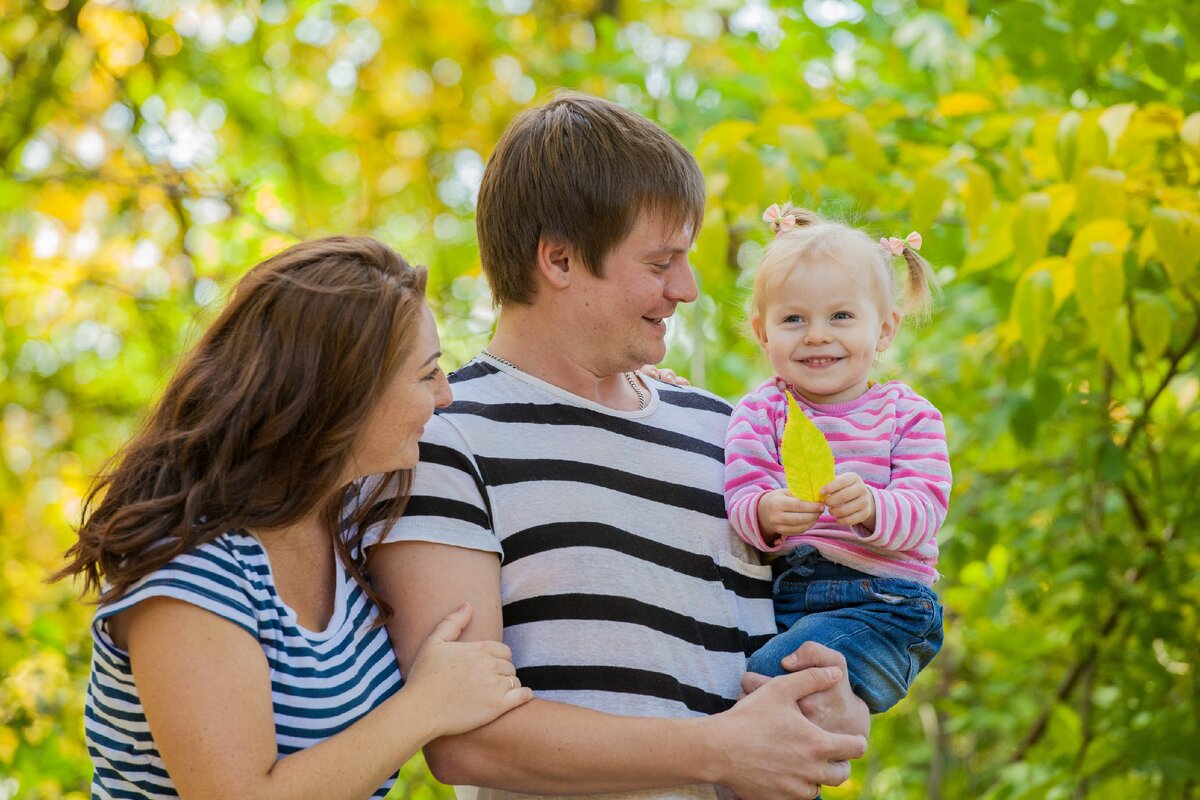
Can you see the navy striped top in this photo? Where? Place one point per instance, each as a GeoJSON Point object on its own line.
{"type": "Point", "coordinates": [321, 681]}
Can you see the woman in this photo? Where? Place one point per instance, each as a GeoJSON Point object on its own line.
{"type": "Point", "coordinates": [239, 648]}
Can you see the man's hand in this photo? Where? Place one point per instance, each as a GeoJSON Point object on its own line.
{"type": "Point", "coordinates": [837, 709]}
{"type": "Point", "coordinates": [768, 749]}
{"type": "Point", "coordinates": [780, 513]}
{"type": "Point", "coordinates": [850, 500]}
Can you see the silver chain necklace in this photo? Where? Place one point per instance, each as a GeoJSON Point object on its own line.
{"type": "Point", "coordinates": [632, 381]}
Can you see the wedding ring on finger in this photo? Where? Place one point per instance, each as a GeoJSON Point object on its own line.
{"type": "Point", "coordinates": [512, 683]}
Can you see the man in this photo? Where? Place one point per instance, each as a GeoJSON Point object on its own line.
{"type": "Point", "coordinates": [578, 508]}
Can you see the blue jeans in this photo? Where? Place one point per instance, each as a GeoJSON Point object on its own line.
{"type": "Point", "coordinates": [887, 628]}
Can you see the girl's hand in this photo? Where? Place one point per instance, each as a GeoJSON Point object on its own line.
{"type": "Point", "coordinates": [780, 513]}
{"type": "Point", "coordinates": [665, 375]}
{"type": "Point", "coordinates": [850, 500]}
{"type": "Point", "coordinates": [463, 685]}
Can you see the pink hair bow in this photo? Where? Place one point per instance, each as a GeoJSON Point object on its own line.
{"type": "Point", "coordinates": [896, 246]}
{"type": "Point", "coordinates": [778, 221]}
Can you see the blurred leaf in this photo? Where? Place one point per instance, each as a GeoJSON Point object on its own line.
{"type": "Point", "coordinates": [1101, 194]}
{"type": "Point", "coordinates": [928, 197]}
{"type": "Point", "coordinates": [978, 196]}
{"type": "Point", "coordinates": [1152, 321]}
{"type": "Point", "coordinates": [1033, 310]}
{"type": "Point", "coordinates": [1031, 228]}
{"type": "Point", "coordinates": [1177, 234]}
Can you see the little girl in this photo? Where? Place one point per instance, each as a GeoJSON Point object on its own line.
{"type": "Point", "coordinates": [854, 571]}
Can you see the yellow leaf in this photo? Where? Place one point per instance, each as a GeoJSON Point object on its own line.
{"type": "Point", "coordinates": [957, 104]}
{"type": "Point", "coordinates": [1177, 234]}
{"type": "Point", "coordinates": [1109, 230]}
{"type": "Point", "coordinates": [1033, 310]}
{"type": "Point", "coordinates": [978, 194]}
{"type": "Point", "coordinates": [1189, 132]}
{"type": "Point", "coordinates": [1152, 321]}
{"type": "Point", "coordinates": [1101, 194]}
{"type": "Point", "coordinates": [807, 459]}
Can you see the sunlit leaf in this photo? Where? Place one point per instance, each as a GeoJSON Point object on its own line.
{"type": "Point", "coordinates": [1033, 310]}
{"type": "Point", "coordinates": [956, 104]}
{"type": "Point", "coordinates": [1031, 228]}
{"type": "Point", "coordinates": [928, 196]}
{"type": "Point", "coordinates": [1177, 234]}
{"type": "Point", "coordinates": [1152, 321]}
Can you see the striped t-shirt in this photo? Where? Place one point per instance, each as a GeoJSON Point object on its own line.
{"type": "Point", "coordinates": [321, 681]}
{"type": "Point", "coordinates": [623, 588]}
{"type": "Point", "coordinates": [890, 436]}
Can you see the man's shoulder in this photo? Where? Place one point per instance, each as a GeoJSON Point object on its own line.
{"type": "Point", "coordinates": [690, 397]}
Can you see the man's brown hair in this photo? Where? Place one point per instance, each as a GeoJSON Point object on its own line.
{"type": "Point", "coordinates": [580, 171]}
{"type": "Point", "coordinates": [255, 429]}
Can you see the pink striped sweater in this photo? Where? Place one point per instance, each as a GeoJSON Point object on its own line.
{"type": "Point", "coordinates": [891, 436]}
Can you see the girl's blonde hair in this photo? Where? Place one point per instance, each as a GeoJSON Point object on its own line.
{"type": "Point", "coordinates": [812, 238]}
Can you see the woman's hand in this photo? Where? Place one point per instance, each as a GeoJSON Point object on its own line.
{"type": "Point", "coordinates": [463, 685]}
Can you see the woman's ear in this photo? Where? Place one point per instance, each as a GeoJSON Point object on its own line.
{"type": "Point", "coordinates": [888, 331]}
{"type": "Point", "coordinates": [554, 262]}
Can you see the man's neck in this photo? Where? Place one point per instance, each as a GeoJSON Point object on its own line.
{"type": "Point", "coordinates": [537, 344]}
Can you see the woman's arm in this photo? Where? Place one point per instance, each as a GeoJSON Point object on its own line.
{"type": "Point", "coordinates": [205, 687]}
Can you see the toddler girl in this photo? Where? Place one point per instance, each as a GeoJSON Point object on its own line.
{"type": "Point", "coordinates": [854, 571]}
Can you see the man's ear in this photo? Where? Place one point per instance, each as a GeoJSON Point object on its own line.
{"type": "Point", "coordinates": [888, 331]}
{"type": "Point", "coordinates": [555, 261]}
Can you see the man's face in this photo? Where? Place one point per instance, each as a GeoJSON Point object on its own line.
{"type": "Point", "coordinates": [622, 316]}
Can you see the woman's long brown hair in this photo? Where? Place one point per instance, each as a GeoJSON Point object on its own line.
{"type": "Point", "coordinates": [255, 429]}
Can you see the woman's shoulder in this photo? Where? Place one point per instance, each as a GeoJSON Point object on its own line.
{"type": "Point", "coordinates": [225, 575]}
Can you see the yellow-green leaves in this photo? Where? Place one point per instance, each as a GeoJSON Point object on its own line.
{"type": "Point", "coordinates": [1031, 228]}
{"type": "Point", "coordinates": [1101, 194]}
{"type": "Point", "coordinates": [928, 196]}
{"type": "Point", "coordinates": [1152, 321]}
{"type": "Point", "coordinates": [1178, 236]}
{"type": "Point", "coordinates": [1099, 286]}
{"type": "Point", "coordinates": [1033, 309]}
{"type": "Point", "coordinates": [807, 459]}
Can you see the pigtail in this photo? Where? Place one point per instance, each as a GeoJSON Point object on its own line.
{"type": "Point", "coordinates": [919, 286]}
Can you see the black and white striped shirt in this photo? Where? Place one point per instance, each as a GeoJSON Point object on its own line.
{"type": "Point", "coordinates": [623, 588]}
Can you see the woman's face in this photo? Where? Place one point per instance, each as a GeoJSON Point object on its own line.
{"type": "Point", "coordinates": [388, 440]}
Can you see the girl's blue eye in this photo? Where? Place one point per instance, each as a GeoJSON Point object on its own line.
{"type": "Point", "coordinates": [843, 315]}
{"type": "Point", "coordinates": [792, 318]}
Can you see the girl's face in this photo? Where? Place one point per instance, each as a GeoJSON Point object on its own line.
{"type": "Point", "coordinates": [388, 438]}
{"type": "Point", "coordinates": [821, 327]}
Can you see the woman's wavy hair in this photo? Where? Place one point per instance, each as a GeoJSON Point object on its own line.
{"type": "Point", "coordinates": [256, 427]}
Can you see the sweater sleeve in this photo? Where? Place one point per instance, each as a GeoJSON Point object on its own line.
{"type": "Point", "coordinates": [752, 463]}
{"type": "Point", "coordinates": [911, 508]}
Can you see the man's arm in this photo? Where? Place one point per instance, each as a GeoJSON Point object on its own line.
{"type": "Point", "coordinates": [762, 748]}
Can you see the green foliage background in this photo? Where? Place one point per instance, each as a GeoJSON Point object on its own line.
{"type": "Point", "coordinates": [1049, 150]}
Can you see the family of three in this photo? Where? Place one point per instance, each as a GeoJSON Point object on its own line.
{"type": "Point", "coordinates": [307, 575]}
